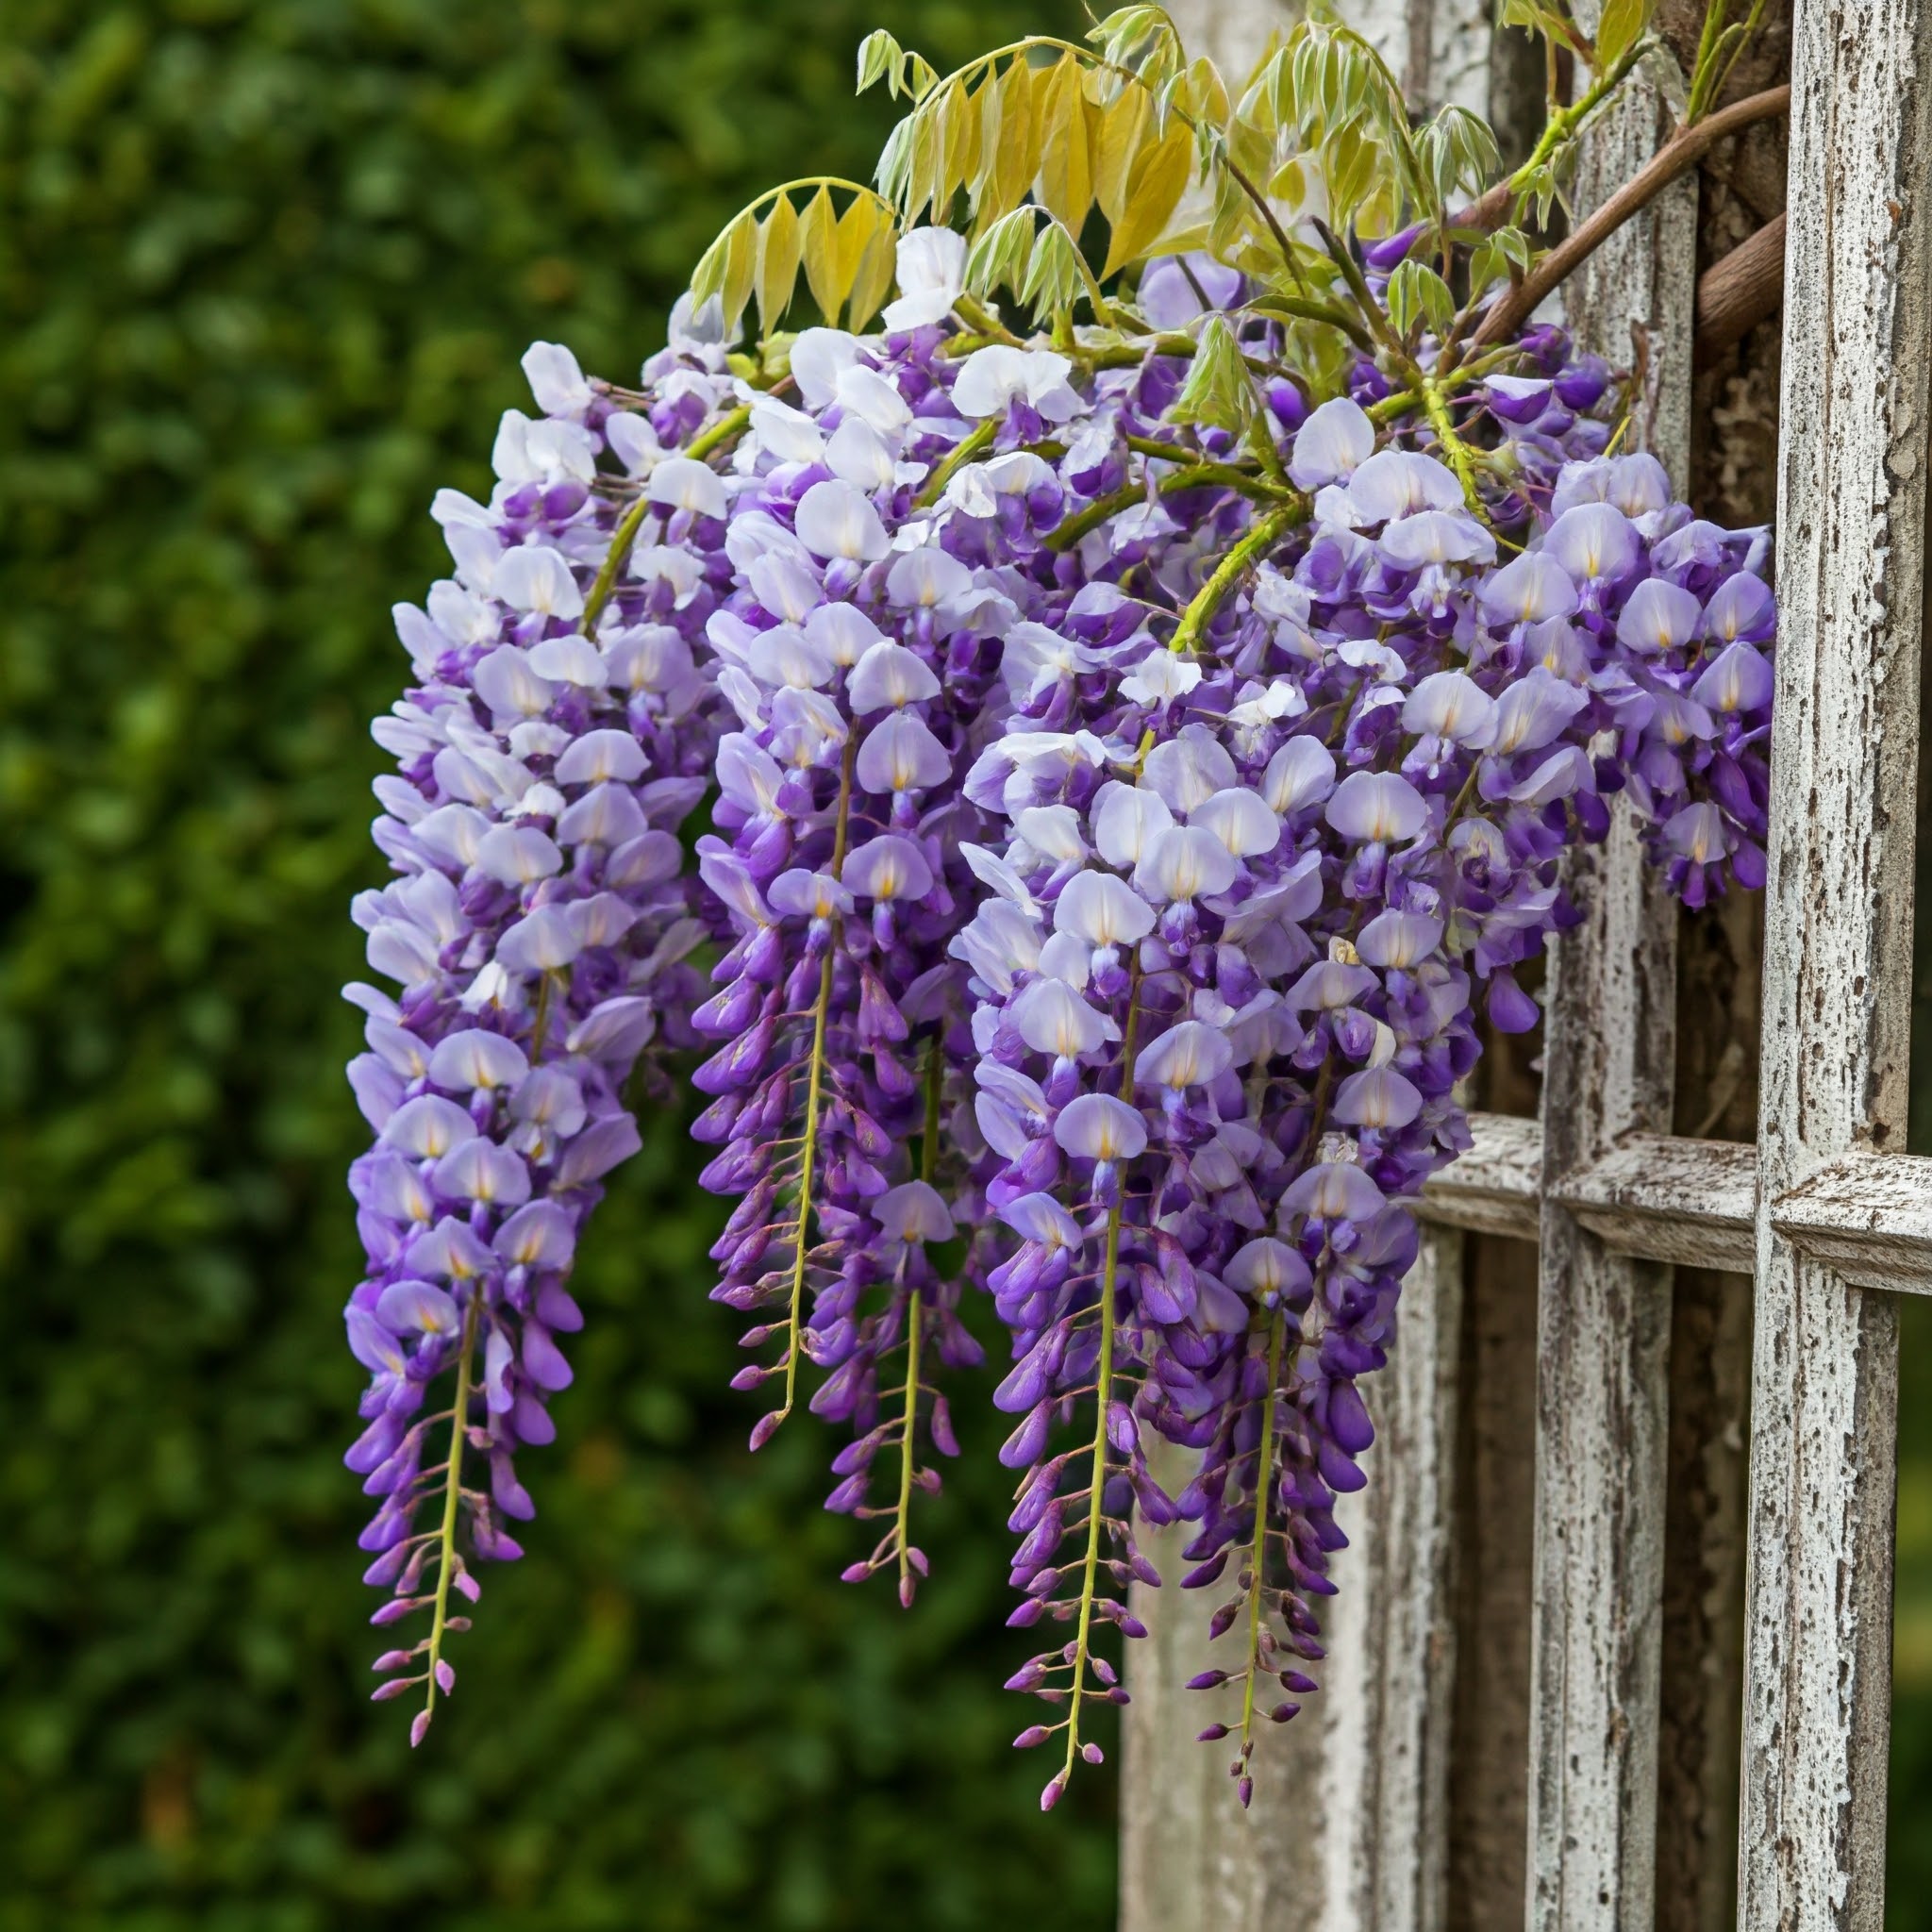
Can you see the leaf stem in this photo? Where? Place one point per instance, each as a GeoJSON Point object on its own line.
{"type": "Point", "coordinates": [962, 453]}
{"type": "Point", "coordinates": [1677, 156]}
{"type": "Point", "coordinates": [1195, 476]}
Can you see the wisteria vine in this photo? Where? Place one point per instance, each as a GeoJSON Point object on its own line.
{"type": "Point", "coordinates": [1125, 758]}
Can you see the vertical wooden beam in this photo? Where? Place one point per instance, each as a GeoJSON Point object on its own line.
{"type": "Point", "coordinates": [1838, 964]}
{"type": "Point", "coordinates": [1604, 1319]}
{"type": "Point", "coordinates": [1349, 1828]}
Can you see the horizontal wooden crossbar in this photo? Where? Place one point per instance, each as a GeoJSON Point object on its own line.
{"type": "Point", "coordinates": [1665, 1198]}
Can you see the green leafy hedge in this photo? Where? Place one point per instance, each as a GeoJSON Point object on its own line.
{"type": "Point", "coordinates": [265, 270]}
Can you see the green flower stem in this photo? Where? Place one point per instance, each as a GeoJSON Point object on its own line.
{"type": "Point", "coordinates": [1260, 537]}
{"type": "Point", "coordinates": [452, 1493]}
{"type": "Point", "coordinates": [1102, 1397]}
{"type": "Point", "coordinates": [1453, 445]}
{"type": "Point", "coordinates": [962, 453]}
{"type": "Point", "coordinates": [814, 1090]}
{"type": "Point", "coordinates": [928, 1164]}
{"type": "Point", "coordinates": [1258, 1555]}
{"type": "Point", "coordinates": [1195, 476]}
{"type": "Point", "coordinates": [1293, 307]}
{"type": "Point", "coordinates": [976, 316]}
{"type": "Point", "coordinates": [626, 534]}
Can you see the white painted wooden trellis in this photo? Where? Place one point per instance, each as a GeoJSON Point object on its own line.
{"type": "Point", "coordinates": [1350, 1828]}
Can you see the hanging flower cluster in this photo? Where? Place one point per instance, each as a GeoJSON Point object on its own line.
{"type": "Point", "coordinates": [1131, 759]}
{"type": "Point", "coordinates": [559, 733]}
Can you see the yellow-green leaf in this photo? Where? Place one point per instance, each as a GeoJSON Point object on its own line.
{"type": "Point", "coordinates": [727, 268]}
{"type": "Point", "coordinates": [779, 246]}
{"type": "Point", "coordinates": [1066, 166]}
{"type": "Point", "coordinates": [872, 276]}
{"type": "Point", "coordinates": [740, 268]}
{"type": "Point", "coordinates": [856, 230]}
{"type": "Point", "coordinates": [1017, 154]}
{"type": "Point", "coordinates": [1121, 122]}
{"type": "Point", "coordinates": [958, 115]}
{"type": "Point", "coordinates": [1159, 178]}
{"type": "Point", "coordinates": [1621, 22]}
{"type": "Point", "coordinates": [818, 233]}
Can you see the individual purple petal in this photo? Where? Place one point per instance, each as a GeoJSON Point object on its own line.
{"type": "Point", "coordinates": [1532, 587]}
{"type": "Point", "coordinates": [1331, 445]}
{"type": "Point", "coordinates": [427, 1127]}
{"type": "Point", "coordinates": [1102, 909]}
{"type": "Point", "coordinates": [1096, 1126]}
{"type": "Point", "coordinates": [1186, 1055]}
{"type": "Point", "coordinates": [1657, 617]}
{"type": "Point", "coordinates": [834, 520]}
{"type": "Point", "coordinates": [1737, 679]}
{"type": "Point", "coordinates": [888, 867]}
{"type": "Point", "coordinates": [1382, 807]}
{"type": "Point", "coordinates": [1333, 1190]}
{"type": "Point", "coordinates": [419, 1307]}
{"type": "Point", "coordinates": [472, 1058]}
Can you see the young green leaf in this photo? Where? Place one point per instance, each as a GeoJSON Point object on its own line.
{"type": "Point", "coordinates": [1419, 296]}
{"type": "Point", "coordinates": [1056, 277]}
{"type": "Point", "coordinates": [1620, 27]}
{"type": "Point", "coordinates": [878, 59]}
{"type": "Point", "coordinates": [1217, 392]}
{"type": "Point", "coordinates": [998, 259]}
{"type": "Point", "coordinates": [919, 76]}
{"type": "Point", "coordinates": [1496, 256]}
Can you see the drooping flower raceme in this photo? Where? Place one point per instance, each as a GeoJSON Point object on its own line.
{"type": "Point", "coordinates": [1116, 821]}
{"type": "Point", "coordinates": [556, 736]}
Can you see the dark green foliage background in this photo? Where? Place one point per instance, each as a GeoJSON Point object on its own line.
{"type": "Point", "coordinates": [264, 274]}
{"type": "Point", "coordinates": [265, 270]}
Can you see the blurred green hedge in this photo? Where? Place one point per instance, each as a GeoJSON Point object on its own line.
{"type": "Point", "coordinates": [265, 272]}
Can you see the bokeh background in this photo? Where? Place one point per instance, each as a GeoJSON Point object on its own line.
{"type": "Point", "coordinates": [265, 270]}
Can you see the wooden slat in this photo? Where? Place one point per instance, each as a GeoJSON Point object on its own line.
{"type": "Point", "coordinates": [1692, 1203]}
{"type": "Point", "coordinates": [1837, 957]}
{"type": "Point", "coordinates": [1385, 1714]}
{"type": "Point", "coordinates": [1661, 1197]}
{"type": "Point", "coordinates": [1603, 1317]}
{"type": "Point", "coordinates": [1868, 1216]}
{"type": "Point", "coordinates": [1495, 1187]}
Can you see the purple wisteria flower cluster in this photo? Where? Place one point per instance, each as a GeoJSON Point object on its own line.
{"type": "Point", "coordinates": [1117, 820]}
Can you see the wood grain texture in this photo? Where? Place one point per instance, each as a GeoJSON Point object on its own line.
{"type": "Point", "coordinates": [1603, 1317]}
{"type": "Point", "coordinates": [1837, 981]}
